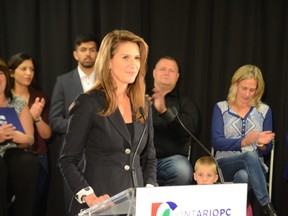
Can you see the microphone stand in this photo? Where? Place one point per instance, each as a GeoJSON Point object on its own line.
{"type": "Point", "coordinates": [175, 112]}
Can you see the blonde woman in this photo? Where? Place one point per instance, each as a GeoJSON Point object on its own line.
{"type": "Point", "coordinates": [242, 133]}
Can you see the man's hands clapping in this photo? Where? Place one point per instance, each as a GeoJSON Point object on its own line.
{"type": "Point", "coordinates": [158, 100]}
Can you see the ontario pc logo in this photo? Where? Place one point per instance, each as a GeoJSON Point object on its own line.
{"type": "Point", "coordinates": [163, 208]}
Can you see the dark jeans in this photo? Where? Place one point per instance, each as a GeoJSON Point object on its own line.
{"type": "Point", "coordinates": [174, 170]}
{"type": "Point", "coordinates": [246, 168]}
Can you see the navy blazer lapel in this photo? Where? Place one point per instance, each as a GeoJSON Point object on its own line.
{"type": "Point", "coordinates": [77, 81]}
{"type": "Point", "coordinates": [118, 122]}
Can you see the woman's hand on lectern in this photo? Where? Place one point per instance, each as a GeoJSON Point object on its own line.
{"type": "Point", "coordinates": [92, 199]}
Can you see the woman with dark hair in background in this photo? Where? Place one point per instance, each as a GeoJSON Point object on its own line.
{"type": "Point", "coordinates": [22, 74]}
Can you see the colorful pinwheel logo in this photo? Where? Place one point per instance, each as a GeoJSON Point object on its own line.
{"type": "Point", "coordinates": [163, 208]}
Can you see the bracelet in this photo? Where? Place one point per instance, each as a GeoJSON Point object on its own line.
{"type": "Point", "coordinates": [38, 120]}
{"type": "Point", "coordinates": [259, 145]}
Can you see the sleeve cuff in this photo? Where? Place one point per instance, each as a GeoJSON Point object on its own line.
{"type": "Point", "coordinates": [168, 116]}
{"type": "Point", "coordinates": [84, 192]}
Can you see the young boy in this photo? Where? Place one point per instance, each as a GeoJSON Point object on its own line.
{"type": "Point", "coordinates": [205, 171]}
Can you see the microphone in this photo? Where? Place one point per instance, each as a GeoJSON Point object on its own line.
{"type": "Point", "coordinates": [134, 175]}
{"type": "Point", "coordinates": [175, 112]}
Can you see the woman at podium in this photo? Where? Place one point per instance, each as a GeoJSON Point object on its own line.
{"type": "Point", "coordinates": [110, 128]}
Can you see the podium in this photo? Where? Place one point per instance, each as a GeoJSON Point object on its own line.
{"type": "Point", "coordinates": [217, 199]}
{"type": "Point", "coordinates": [122, 203]}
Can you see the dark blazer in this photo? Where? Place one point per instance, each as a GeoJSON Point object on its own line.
{"type": "Point", "coordinates": [67, 87]}
{"type": "Point", "coordinates": [105, 142]}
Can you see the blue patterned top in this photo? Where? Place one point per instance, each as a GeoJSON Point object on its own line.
{"type": "Point", "coordinates": [229, 129]}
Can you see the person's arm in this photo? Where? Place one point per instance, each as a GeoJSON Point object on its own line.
{"type": "Point", "coordinates": [24, 140]}
{"type": "Point", "coordinates": [267, 126]}
{"type": "Point", "coordinates": [186, 110]}
{"type": "Point", "coordinates": [73, 149]}
{"type": "Point", "coordinates": [189, 114]}
{"type": "Point", "coordinates": [74, 145]}
{"type": "Point", "coordinates": [39, 113]}
{"type": "Point", "coordinates": [219, 141]}
{"type": "Point", "coordinates": [57, 120]}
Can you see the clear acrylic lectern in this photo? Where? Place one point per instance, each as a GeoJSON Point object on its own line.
{"type": "Point", "coordinates": [122, 203]}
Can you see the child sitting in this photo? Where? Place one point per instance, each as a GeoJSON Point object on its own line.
{"type": "Point", "coordinates": [205, 172]}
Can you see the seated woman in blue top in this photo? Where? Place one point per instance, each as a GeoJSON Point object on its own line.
{"type": "Point", "coordinates": [18, 168]}
{"type": "Point", "coordinates": [242, 133]}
